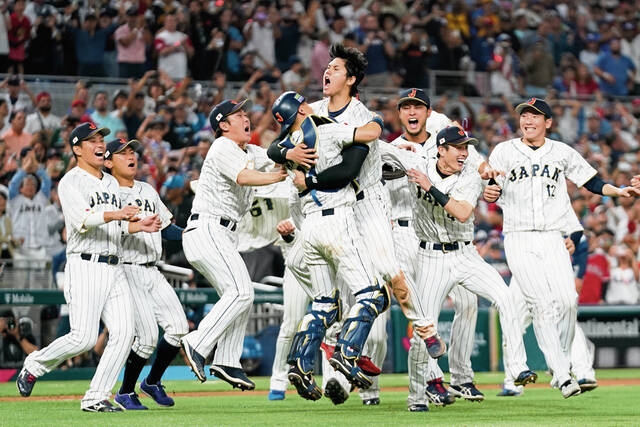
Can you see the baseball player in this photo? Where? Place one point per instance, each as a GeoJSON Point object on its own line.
{"type": "Point", "coordinates": [340, 86]}
{"type": "Point", "coordinates": [330, 247]}
{"type": "Point", "coordinates": [421, 126]}
{"type": "Point", "coordinates": [223, 196]}
{"type": "Point", "coordinates": [153, 298]}
{"type": "Point", "coordinates": [535, 202]}
{"type": "Point", "coordinates": [447, 193]}
{"type": "Point", "coordinates": [95, 285]}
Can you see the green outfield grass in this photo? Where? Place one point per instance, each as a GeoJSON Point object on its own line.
{"type": "Point", "coordinates": [609, 405]}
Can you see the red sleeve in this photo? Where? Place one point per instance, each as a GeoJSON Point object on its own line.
{"type": "Point", "coordinates": [606, 275]}
{"type": "Point", "coordinates": [159, 44]}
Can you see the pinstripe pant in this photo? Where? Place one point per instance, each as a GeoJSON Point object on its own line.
{"type": "Point", "coordinates": [155, 303]}
{"type": "Point", "coordinates": [541, 264]}
{"type": "Point", "coordinates": [93, 291]}
{"type": "Point", "coordinates": [439, 272]}
{"type": "Point", "coordinates": [211, 249]}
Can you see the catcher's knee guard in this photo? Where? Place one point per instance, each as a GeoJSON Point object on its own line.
{"type": "Point", "coordinates": [356, 328]}
{"type": "Point", "coordinates": [313, 326]}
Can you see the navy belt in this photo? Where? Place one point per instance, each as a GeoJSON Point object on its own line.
{"type": "Point", "coordinates": [107, 259]}
{"type": "Point", "coordinates": [403, 223]}
{"type": "Point", "coordinates": [223, 221]}
{"type": "Point", "coordinates": [444, 247]}
{"type": "Point", "coordinates": [327, 212]}
{"type": "Point", "coordinates": [148, 264]}
{"type": "Point", "coordinates": [360, 196]}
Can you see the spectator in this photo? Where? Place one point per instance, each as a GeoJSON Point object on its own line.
{"type": "Point", "coordinates": [7, 242]}
{"type": "Point", "coordinates": [296, 78]}
{"type": "Point", "coordinates": [19, 34]}
{"type": "Point", "coordinates": [180, 130]}
{"type": "Point", "coordinates": [4, 116]}
{"type": "Point", "coordinates": [133, 113]}
{"type": "Point", "coordinates": [55, 225]}
{"type": "Point", "coordinates": [43, 56]}
{"type": "Point", "coordinates": [378, 48]}
{"type": "Point", "coordinates": [287, 34]}
{"type": "Point", "coordinates": [200, 27]}
{"type": "Point", "coordinates": [16, 138]}
{"type": "Point", "coordinates": [30, 164]}
{"type": "Point", "coordinates": [101, 116]}
{"type": "Point", "coordinates": [413, 58]}
{"type": "Point", "coordinates": [42, 119]}
{"type": "Point", "coordinates": [585, 84]}
{"type": "Point", "coordinates": [590, 54]}
{"type": "Point", "coordinates": [17, 338]}
{"type": "Point", "coordinates": [506, 77]}
{"type": "Point", "coordinates": [90, 43]}
{"type": "Point", "coordinates": [320, 58]}
{"type": "Point", "coordinates": [110, 58]}
{"type": "Point", "coordinates": [4, 38]}
{"type": "Point", "coordinates": [79, 110]}
{"type": "Point", "coordinates": [259, 34]}
{"type": "Point", "coordinates": [174, 48]}
{"type": "Point", "coordinates": [234, 43]}
{"type": "Point", "coordinates": [630, 46]}
{"type": "Point", "coordinates": [130, 45]}
{"type": "Point", "coordinates": [27, 212]}
{"type": "Point", "coordinates": [15, 102]}
{"type": "Point", "coordinates": [623, 288]}
{"type": "Point", "coordinates": [616, 71]}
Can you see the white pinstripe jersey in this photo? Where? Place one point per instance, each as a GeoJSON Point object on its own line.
{"type": "Point", "coordinates": [534, 190]}
{"type": "Point", "coordinates": [332, 138]}
{"type": "Point", "coordinates": [28, 219]}
{"type": "Point", "coordinates": [357, 114]}
{"type": "Point", "coordinates": [82, 194]}
{"type": "Point", "coordinates": [258, 226]}
{"type": "Point", "coordinates": [432, 223]}
{"type": "Point", "coordinates": [218, 193]}
{"type": "Point", "coordinates": [141, 248]}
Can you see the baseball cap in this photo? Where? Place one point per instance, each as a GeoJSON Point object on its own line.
{"type": "Point", "coordinates": [117, 145]}
{"type": "Point", "coordinates": [78, 103]}
{"type": "Point", "coordinates": [86, 131]}
{"type": "Point", "coordinates": [453, 135]}
{"type": "Point", "coordinates": [414, 94]}
{"type": "Point", "coordinates": [132, 11]}
{"type": "Point", "coordinates": [43, 94]}
{"type": "Point", "coordinates": [593, 37]}
{"type": "Point", "coordinates": [285, 110]}
{"type": "Point", "coordinates": [175, 181]}
{"type": "Point", "coordinates": [225, 109]}
{"type": "Point", "coordinates": [537, 104]}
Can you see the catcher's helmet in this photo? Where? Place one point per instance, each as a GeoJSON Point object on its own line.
{"type": "Point", "coordinates": [285, 110]}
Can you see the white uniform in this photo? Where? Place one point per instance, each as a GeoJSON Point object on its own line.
{"type": "Point", "coordinates": [93, 290]}
{"type": "Point", "coordinates": [27, 219]}
{"type": "Point", "coordinates": [372, 218]}
{"type": "Point", "coordinates": [438, 269]}
{"type": "Point", "coordinates": [154, 300]}
{"type": "Point", "coordinates": [210, 245]}
{"type": "Point", "coordinates": [403, 200]}
{"type": "Point", "coordinates": [535, 204]}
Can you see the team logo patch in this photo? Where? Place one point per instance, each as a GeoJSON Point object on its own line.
{"type": "Point", "coordinates": [233, 102]}
{"type": "Point", "coordinates": [75, 139]}
{"type": "Point", "coordinates": [298, 97]}
{"type": "Point", "coordinates": [122, 141]}
{"type": "Point", "coordinates": [92, 126]}
{"type": "Point", "coordinates": [219, 117]}
{"type": "Point", "coordinates": [107, 154]}
{"type": "Point", "coordinates": [442, 140]}
{"type": "Point", "coordinates": [461, 132]}
{"type": "Point", "coordinates": [279, 118]}
{"type": "Point", "coordinates": [531, 101]}
{"type": "Point", "coordinates": [412, 94]}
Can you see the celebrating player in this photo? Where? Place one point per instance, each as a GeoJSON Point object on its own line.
{"type": "Point", "coordinates": [224, 195]}
{"type": "Point", "coordinates": [95, 286]}
{"type": "Point", "coordinates": [154, 300]}
{"type": "Point", "coordinates": [330, 247]}
{"type": "Point", "coordinates": [534, 200]}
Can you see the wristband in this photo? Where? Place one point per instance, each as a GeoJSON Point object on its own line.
{"type": "Point", "coordinates": [441, 198]}
{"type": "Point", "coordinates": [311, 182]}
{"type": "Point", "coordinates": [378, 121]}
{"type": "Point", "coordinates": [283, 151]}
{"type": "Point", "coordinates": [288, 238]}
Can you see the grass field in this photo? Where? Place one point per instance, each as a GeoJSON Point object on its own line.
{"type": "Point", "coordinates": [615, 403]}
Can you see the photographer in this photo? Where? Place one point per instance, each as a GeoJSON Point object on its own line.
{"type": "Point", "coordinates": [17, 338]}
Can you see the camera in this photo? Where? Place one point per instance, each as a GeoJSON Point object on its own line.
{"type": "Point", "coordinates": [11, 322]}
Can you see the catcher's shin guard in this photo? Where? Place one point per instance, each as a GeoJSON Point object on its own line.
{"type": "Point", "coordinates": [306, 342]}
{"type": "Point", "coordinates": [357, 326]}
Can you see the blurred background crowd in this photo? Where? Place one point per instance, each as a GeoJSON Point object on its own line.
{"type": "Point", "coordinates": [153, 69]}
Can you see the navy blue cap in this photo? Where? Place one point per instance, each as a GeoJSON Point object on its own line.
{"type": "Point", "coordinates": [117, 145]}
{"type": "Point", "coordinates": [225, 109]}
{"type": "Point", "coordinates": [414, 94]}
{"type": "Point", "coordinates": [86, 131]}
{"type": "Point", "coordinates": [537, 104]}
{"type": "Point", "coordinates": [285, 110]}
{"type": "Point", "coordinates": [453, 135]}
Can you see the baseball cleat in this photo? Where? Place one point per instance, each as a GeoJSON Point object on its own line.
{"type": "Point", "coordinates": [156, 392]}
{"type": "Point", "coordinates": [304, 383]}
{"type": "Point", "coordinates": [437, 394]}
{"type": "Point", "coordinates": [102, 406]}
{"type": "Point", "coordinates": [587, 384]}
{"type": "Point", "coordinates": [526, 377]}
{"type": "Point", "coordinates": [129, 402]}
{"type": "Point", "coordinates": [276, 395]}
{"type": "Point", "coordinates": [234, 376]}
{"type": "Point", "coordinates": [508, 392]}
{"type": "Point", "coordinates": [418, 408]}
{"type": "Point", "coordinates": [368, 367]}
{"type": "Point", "coordinates": [196, 361]}
{"type": "Point", "coordinates": [350, 370]}
{"type": "Point", "coordinates": [570, 388]}
{"type": "Point", "coordinates": [334, 391]}
{"type": "Point", "coordinates": [25, 382]}
{"type": "Point", "coordinates": [467, 391]}
{"type": "Point", "coordinates": [371, 402]}
{"type": "Point", "coordinates": [435, 346]}
{"type": "Point", "coordinates": [327, 350]}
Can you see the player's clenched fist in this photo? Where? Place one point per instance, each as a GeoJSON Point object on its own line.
{"type": "Point", "coordinates": [285, 227]}
{"type": "Point", "coordinates": [491, 193]}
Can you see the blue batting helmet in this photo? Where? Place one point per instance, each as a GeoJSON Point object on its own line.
{"type": "Point", "coordinates": [285, 110]}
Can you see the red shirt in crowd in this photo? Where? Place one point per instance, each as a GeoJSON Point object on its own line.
{"type": "Point", "coordinates": [597, 273]}
{"type": "Point", "coordinates": [19, 33]}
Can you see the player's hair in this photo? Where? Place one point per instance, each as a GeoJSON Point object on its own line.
{"type": "Point", "coordinates": [218, 133]}
{"type": "Point", "coordinates": [354, 61]}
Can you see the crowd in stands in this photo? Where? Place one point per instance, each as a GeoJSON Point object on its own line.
{"type": "Point", "coordinates": [560, 51]}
